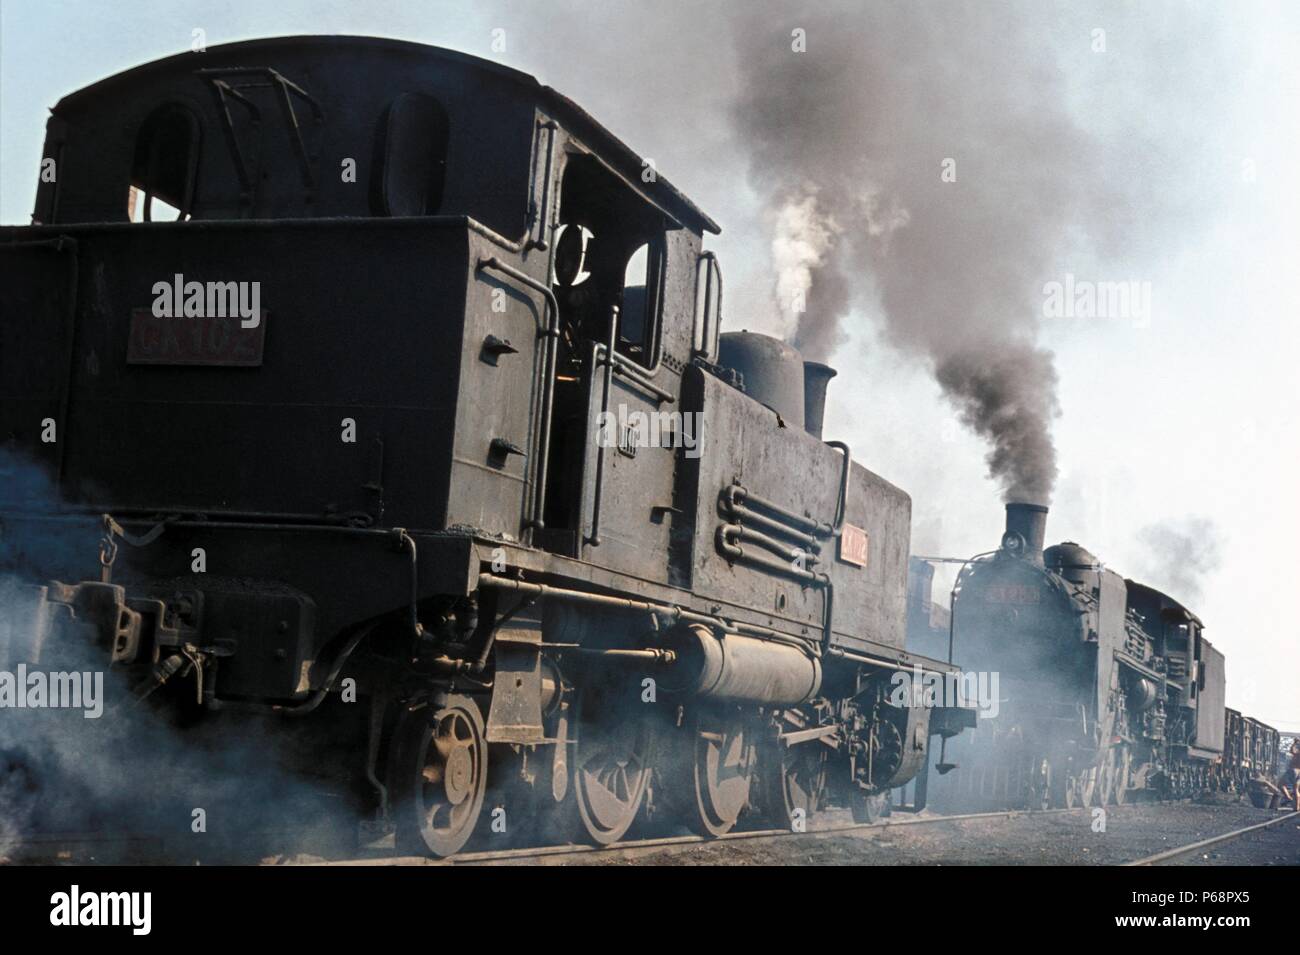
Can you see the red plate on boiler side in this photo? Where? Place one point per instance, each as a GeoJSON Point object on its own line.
{"type": "Point", "coordinates": [223, 342]}
{"type": "Point", "coordinates": [853, 545]}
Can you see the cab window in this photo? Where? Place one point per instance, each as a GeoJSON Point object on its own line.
{"type": "Point", "coordinates": [162, 169]}
{"type": "Point", "coordinates": [609, 253]}
{"type": "Point", "coordinates": [414, 161]}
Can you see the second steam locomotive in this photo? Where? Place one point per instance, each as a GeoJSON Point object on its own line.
{"type": "Point", "coordinates": [1109, 688]}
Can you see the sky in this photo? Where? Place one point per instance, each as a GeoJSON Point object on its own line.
{"type": "Point", "coordinates": [1177, 442]}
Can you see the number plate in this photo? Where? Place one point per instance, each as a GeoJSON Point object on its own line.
{"type": "Point", "coordinates": [193, 341]}
{"type": "Point", "coordinates": [853, 545]}
{"type": "Point", "coordinates": [1012, 594]}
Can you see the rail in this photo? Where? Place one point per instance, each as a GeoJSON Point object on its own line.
{"type": "Point", "coordinates": [1180, 851]}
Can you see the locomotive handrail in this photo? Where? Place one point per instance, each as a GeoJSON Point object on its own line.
{"type": "Point", "coordinates": [708, 336]}
{"type": "Point", "coordinates": [671, 611]}
{"type": "Point", "coordinates": [550, 126]}
{"type": "Point", "coordinates": [634, 374]}
{"type": "Point", "coordinates": [842, 507]}
{"type": "Point", "coordinates": [602, 357]}
{"type": "Point", "coordinates": [952, 597]}
{"type": "Point", "coordinates": [536, 520]}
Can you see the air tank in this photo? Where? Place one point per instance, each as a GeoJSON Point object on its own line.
{"type": "Point", "coordinates": [739, 668]}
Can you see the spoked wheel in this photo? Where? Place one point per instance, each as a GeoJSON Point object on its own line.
{"type": "Point", "coordinates": [1123, 775]}
{"type": "Point", "coordinates": [793, 781]}
{"type": "Point", "coordinates": [1061, 784]}
{"type": "Point", "coordinates": [1073, 792]}
{"type": "Point", "coordinates": [612, 759]}
{"type": "Point", "coordinates": [722, 758]}
{"type": "Point", "coordinates": [1088, 786]}
{"type": "Point", "coordinates": [1106, 778]}
{"type": "Point", "coordinates": [1040, 786]}
{"type": "Point", "coordinates": [439, 775]}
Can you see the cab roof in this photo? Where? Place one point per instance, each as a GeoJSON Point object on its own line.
{"type": "Point", "coordinates": [1169, 607]}
{"type": "Point", "coordinates": [573, 116]}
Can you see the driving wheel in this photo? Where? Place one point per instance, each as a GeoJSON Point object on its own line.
{"type": "Point", "coordinates": [722, 758]}
{"type": "Point", "coordinates": [439, 775]}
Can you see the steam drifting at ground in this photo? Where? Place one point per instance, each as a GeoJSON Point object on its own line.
{"type": "Point", "coordinates": [851, 140]}
{"type": "Point", "coordinates": [133, 767]}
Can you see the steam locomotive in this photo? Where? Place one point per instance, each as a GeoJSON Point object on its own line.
{"type": "Point", "coordinates": [1108, 688]}
{"type": "Point", "coordinates": [380, 385]}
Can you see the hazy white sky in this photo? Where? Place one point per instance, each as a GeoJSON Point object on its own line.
{"type": "Point", "coordinates": [1188, 416]}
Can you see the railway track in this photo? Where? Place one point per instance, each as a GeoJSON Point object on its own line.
{"type": "Point", "coordinates": [72, 848]}
{"type": "Point", "coordinates": [1170, 855]}
{"type": "Point", "coordinates": [638, 847]}
{"type": "Point", "coordinates": [97, 849]}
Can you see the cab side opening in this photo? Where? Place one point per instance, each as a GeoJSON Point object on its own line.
{"type": "Point", "coordinates": [607, 275]}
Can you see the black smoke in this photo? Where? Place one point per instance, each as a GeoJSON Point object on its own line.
{"type": "Point", "coordinates": [851, 141]}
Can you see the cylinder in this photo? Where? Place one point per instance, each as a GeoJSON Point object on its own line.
{"type": "Point", "coordinates": [816, 377]}
{"type": "Point", "coordinates": [740, 669]}
{"type": "Point", "coordinates": [1029, 521]}
{"type": "Point", "coordinates": [772, 371]}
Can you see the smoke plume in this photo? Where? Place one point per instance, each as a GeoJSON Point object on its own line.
{"type": "Point", "coordinates": [921, 157]}
{"type": "Point", "coordinates": [1179, 555]}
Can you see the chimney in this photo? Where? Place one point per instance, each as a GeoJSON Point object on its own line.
{"type": "Point", "coordinates": [816, 377]}
{"type": "Point", "coordinates": [1029, 521]}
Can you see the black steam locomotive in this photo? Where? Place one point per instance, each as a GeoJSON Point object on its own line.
{"type": "Point", "coordinates": [1107, 688]}
{"type": "Point", "coordinates": [345, 363]}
